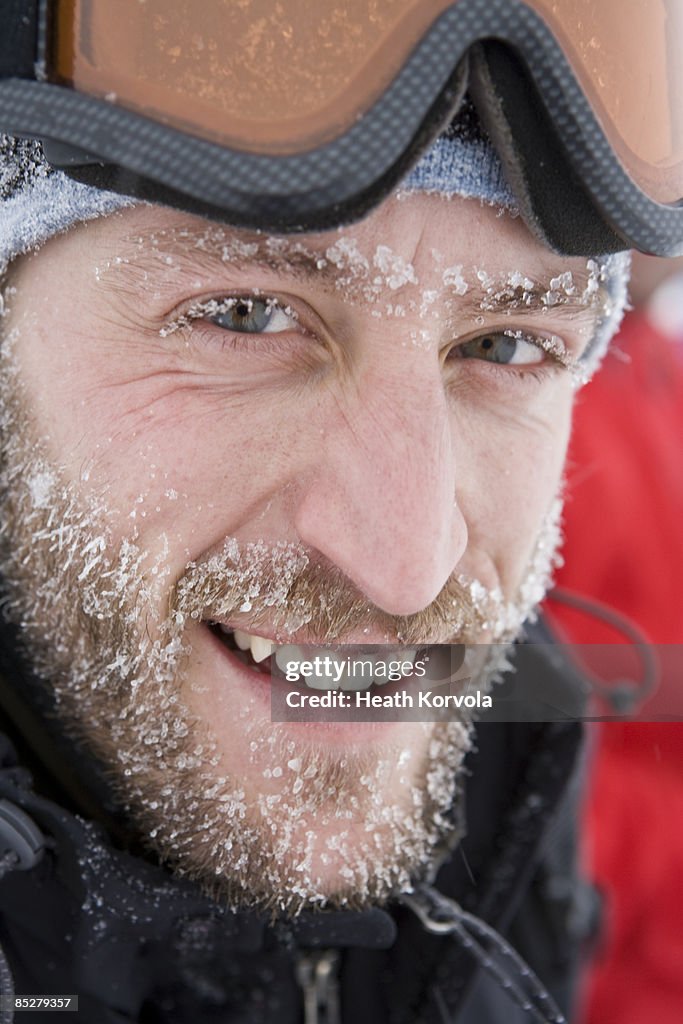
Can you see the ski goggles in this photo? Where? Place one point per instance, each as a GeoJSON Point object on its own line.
{"type": "Point", "coordinates": [294, 115]}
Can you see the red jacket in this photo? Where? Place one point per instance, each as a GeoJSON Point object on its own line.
{"type": "Point", "coordinates": [624, 546]}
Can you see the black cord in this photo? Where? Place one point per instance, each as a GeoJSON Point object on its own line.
{"type": "Point", "coordinates": [625, 696]}
{"type": "Point", "coordinates": [442, 916]}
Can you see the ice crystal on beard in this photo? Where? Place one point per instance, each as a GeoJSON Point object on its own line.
{"type": "Point", "coordinates": [124, 691]}
{"type": "Point", "coordinates": [41, 487]}
{"type": "Point", "coordinates": [147, 740]}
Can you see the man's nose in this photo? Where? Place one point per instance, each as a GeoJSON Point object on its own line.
{"type": "Point", "coordinates": [381, 503]}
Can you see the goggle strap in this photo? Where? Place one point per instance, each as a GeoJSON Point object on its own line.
{"type": "Point", "coordinates": [90, 170]}
{"type": "Point", "coordinates": [551, 196]}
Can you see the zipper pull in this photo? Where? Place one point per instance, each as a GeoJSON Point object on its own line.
{"type": "Point", "coordinates": [317, 974]}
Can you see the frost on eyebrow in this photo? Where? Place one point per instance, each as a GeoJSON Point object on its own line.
{"type": "Point", "coordinates": [515, 290]}
{"type": "Point", "coordinates": [346, 255]}
{"type": "Point", "coordinates": [452, 278]}
{"type": "Point", "coordinates": [339, 265]}
{"type": "Point", "coordinates": [371, 275]}
{"type": "Point", "coordinates": [581, 297]}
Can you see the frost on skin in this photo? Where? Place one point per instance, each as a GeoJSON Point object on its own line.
{"type": "Point", "coordinates": [109, 627]}
{"type": "Point", "coordinates": [346, 255]}
{"type": "Point", "coordinates": [365, 277]}
{"type": "Point", "coordinates": [89, 615]}
{"type": "Point", "coordinates": [453, 279]}
{"type": "Point", "coordinates": [526, 291]}
{"type": "Point", "coordinates": [396, 270]}
{"type": "Point", "coordinates": [41, 487]}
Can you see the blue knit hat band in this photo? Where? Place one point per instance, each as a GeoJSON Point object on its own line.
{"type": "Point", "coordinates": [37, 202]}
{"type": "Point", "coordinates": [455, 165]}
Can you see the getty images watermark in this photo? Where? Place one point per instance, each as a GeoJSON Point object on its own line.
{"type": "Point", "coordinates": [376, 682]}
{"type": "Point", "coordinates": [545, 682]}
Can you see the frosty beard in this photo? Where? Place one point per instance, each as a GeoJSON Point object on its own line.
{"type": "Point", "coordinates": [103, 623]}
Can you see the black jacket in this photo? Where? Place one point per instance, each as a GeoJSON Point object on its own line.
{"type": "Point", "coordinates": [137, 944]}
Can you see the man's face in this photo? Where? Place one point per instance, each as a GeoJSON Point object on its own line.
{"type": "Point", "coordinates": [356, 435]}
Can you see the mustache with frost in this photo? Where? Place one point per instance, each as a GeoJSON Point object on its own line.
{"type": "Point", "coordinates": [279, 588]}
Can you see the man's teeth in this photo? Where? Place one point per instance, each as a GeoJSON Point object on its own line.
{"type": "Point", "coordinates": [241, 639]}
{"type": "Point", "coordinates": [345, 679]}
{"type": "Point", "coordinates": [258, 646]}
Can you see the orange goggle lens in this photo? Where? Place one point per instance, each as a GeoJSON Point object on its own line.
{"type": "Point", "coordinates": [628, 57]}
{"type": "Point", "coordinates": [265, 77]}
{"type": "Point", "coordinates": [288, 77]}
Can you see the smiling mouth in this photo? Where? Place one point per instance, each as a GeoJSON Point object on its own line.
{"type": "Point", "coordinates": [255, 652]}
{"type": "Point", "coordinates": [261, 655]}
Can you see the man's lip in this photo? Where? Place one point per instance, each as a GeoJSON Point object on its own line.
{"type": "Point", "coordinates": [257, 686]}
{"type": "Point", "coordinates": [268, 633]}
{"type": "Point", "coordinates": [367, 637]}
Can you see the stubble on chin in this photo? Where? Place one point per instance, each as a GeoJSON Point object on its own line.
{"type": "Point", "coordinates": [338, 828]}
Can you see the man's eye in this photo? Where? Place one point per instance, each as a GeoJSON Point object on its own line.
{"type": "Point", "coordinates": [501, 347]}
{"type": "Point", "coordinates": [253, 316]}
